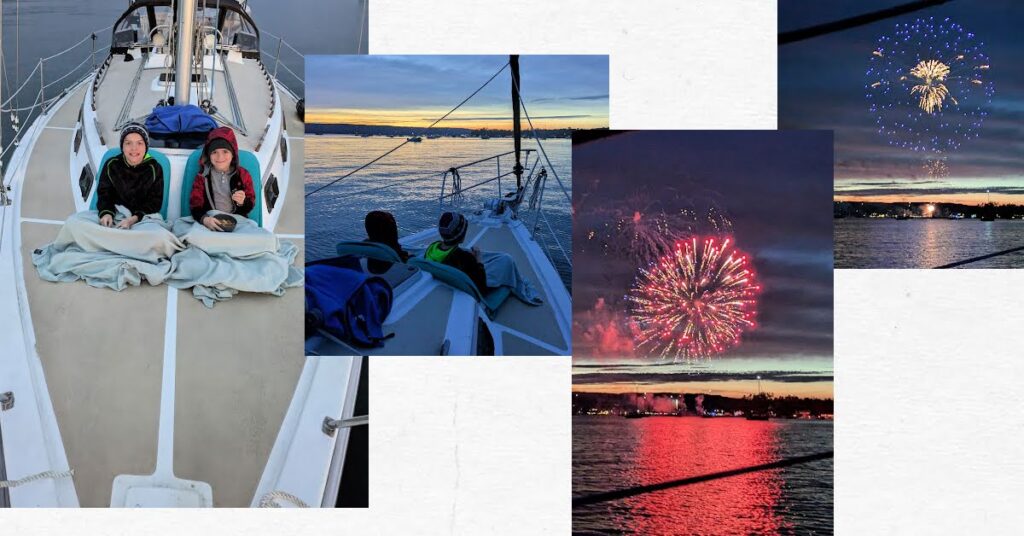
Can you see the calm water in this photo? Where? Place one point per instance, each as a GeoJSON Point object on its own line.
{"type": "Point", "coordinates": [336, 213]}
{"type": "Point", "coordinates": [48, 27]}
{"type": "Point", "coordinates": [888, 243]}
{"type": "Point", "coordinates": [613, 452]}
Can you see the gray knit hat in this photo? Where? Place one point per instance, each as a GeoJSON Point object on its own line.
{"type": "Point", "coordinates": [136, 128]}
{"type": "Point", "coordinates": [452, 227]}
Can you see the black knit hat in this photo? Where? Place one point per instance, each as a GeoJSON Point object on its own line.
{"type": "Point", "coordinates": [219, 143]}
{"type": "Point", "coordinates": [135, 128]}
{"type": "Point", "coordinates": [452, 227]}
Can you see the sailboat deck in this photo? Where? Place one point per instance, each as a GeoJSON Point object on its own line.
{"type": "Point", "coordinates": [102, 351]}
{"type": "Point", "coordinates": [250, 89]}
{"type": "Point", "coordinates": [421, 330]}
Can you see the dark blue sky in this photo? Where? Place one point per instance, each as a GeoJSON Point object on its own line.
{"type": "Point", "coordinates": [821, 85]}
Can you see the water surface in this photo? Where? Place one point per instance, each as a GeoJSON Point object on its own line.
{"type": "Point", "coordinates": [613, 453]}
{"type": "Point", "coordinates": [407, 183]}
{"type": "Point", "coordinates": [926, 243]}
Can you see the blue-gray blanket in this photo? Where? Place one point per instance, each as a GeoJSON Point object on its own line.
{"type": "Point", "coordinates": [215, 265]}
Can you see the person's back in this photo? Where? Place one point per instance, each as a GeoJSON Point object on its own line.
{"type": "Point", "coordinates": [452, 228]}
{"type": "Point", "coordinates": [381, 228]}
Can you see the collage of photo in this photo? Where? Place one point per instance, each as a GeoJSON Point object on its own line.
{"type": "Point", "coordinates": [182, 329]}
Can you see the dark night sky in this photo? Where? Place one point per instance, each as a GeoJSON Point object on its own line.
{"type": "Point", "coordinates": [775, 188]}
{"type": "Point", "coordinates": [821, 86]}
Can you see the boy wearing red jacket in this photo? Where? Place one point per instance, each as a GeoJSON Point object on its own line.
{"type": "Point", "coordinates": [221, 184]}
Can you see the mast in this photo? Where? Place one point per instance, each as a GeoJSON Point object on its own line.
{"type": "Point", "coordinates": [183, 55]}
{"type": "Point", "coordinates": [513, 62]}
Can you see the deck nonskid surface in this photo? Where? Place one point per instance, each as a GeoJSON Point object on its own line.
{"type": "Point", "coordinates": [250, 86]}
{"type": "Point", "coordinates": [102, 353]}
{"type": "Point", "coordinates": [536, 321]}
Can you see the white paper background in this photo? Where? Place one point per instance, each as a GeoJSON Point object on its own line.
{"type": "Point", "coordinates": [928, 364]}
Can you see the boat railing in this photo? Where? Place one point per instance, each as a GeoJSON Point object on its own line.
{"type": "Point", "coordinates": [293, 83]}
{"type": "Point", "coordinates": [41, 88]}
{"type": "Point", "coordinates": [44, 88]}
{"type": "Point", "coordinates": [453, 189]}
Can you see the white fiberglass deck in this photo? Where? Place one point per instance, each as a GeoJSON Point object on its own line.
{"type": "Point", "coordinates": [102, 352]}
{"type": "Point", "coordinates": [251, 90]}
{"type": "Point", "coordinates": [426, 312]}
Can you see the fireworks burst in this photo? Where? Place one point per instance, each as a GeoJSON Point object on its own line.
{"type": "Point", "coordinates": [641, 230]}
{"type": "Point", "coordinates": [694, 302]}
{"type": "Point", "coordinates": [928, 86]}
{"type": "Point", "coordinates": [936, 168]}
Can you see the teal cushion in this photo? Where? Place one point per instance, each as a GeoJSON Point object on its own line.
{"type": "Point", "coordinates": [370, 250]}
{"type": "Point", "coordinates": [160, 158]}
{"type": "Point", "coordinates": [458, 280]}
{"type": "Point", "coordinates": [247, 160]}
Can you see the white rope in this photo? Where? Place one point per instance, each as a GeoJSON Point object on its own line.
{"type": "Point", "coordinates": [270, 500]}
{"type": "Point", "coordinates": [40, 476]}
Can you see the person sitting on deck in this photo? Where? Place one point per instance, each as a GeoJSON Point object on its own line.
{"type": "Point", "coordinates": [221, 184]}
{"type": "Point", "coordinates": [132, 179]}
{"type": "Point", "coordinates": [452, 227]}
{"type": "Point", "coordinates": [381, 228]}
{"type": "Point", "coordinates": [487, 270]}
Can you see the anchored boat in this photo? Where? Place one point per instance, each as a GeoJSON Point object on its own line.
{"type": "Point", "coordinates": [437, 310]}
{"type": "Point", "coordinates": [144, 397]}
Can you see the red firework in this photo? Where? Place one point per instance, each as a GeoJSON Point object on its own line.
{"type": "Point", "coordinates": [696, 301]}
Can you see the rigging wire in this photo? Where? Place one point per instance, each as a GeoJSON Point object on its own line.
{"type": "Point", "coordinates": [595, 498]}
{"type": "Point", "coordinates": [801, 34]}
{"type": "Point", "coordinates": [979, 258]}
{"type": "Point", "coordinates": [362, 21]}
{"type": "Point", "coordinates": [399, 146]}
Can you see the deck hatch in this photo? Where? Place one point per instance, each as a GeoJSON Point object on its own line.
{"type": "Point", "coordinates": [271, 192]}
{"type": "Point", "coordinates": [85, 182]}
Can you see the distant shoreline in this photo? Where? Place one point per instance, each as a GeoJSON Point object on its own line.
{"type": "Point", "coordinates": [375, 130]}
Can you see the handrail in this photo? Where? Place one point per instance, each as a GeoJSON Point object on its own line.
{"type": "Point", "coordinates": [540, 215]}
{"type": "Point", "coordinates": [84, 39]}
{"type": "Point", "coordinates": [23, 115]}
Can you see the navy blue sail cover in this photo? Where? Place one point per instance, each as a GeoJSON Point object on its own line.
{"type": "Point", "coordinates": [183, 119]}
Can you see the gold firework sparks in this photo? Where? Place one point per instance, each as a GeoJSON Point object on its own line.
{"type": "Point", "coordinates": [932, 74]}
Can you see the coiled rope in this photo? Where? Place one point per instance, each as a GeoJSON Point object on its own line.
{"type": "Point", "coordinates": [272, 500]}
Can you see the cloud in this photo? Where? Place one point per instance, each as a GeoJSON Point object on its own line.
{"type": "Point", "coordinates": [601, 332]}
{"type": "Point", "coordinates": [585, 98]}
{"type": "Point", "coordinates": [509, 118]}
{"type": "Point", "coordinates": [658, 378]}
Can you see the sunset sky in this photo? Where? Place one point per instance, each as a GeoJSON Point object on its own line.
{"type": "Point", "coordinates": [413, 91]}
{"type": "Point", "coordinates": [775, 188]}
{"type": "Point", "coordinates": [821, 86]}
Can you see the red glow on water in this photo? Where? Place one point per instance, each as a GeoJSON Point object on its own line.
{"type": "Point", "coordinates": [670, 448]}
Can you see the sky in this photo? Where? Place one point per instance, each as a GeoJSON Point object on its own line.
{"type": "Point", "coordinates": [775, 188]}
{"type": "Point", "coordinates": [822, 86]}
{"type": "Point", "coordinates": [412, 91]}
